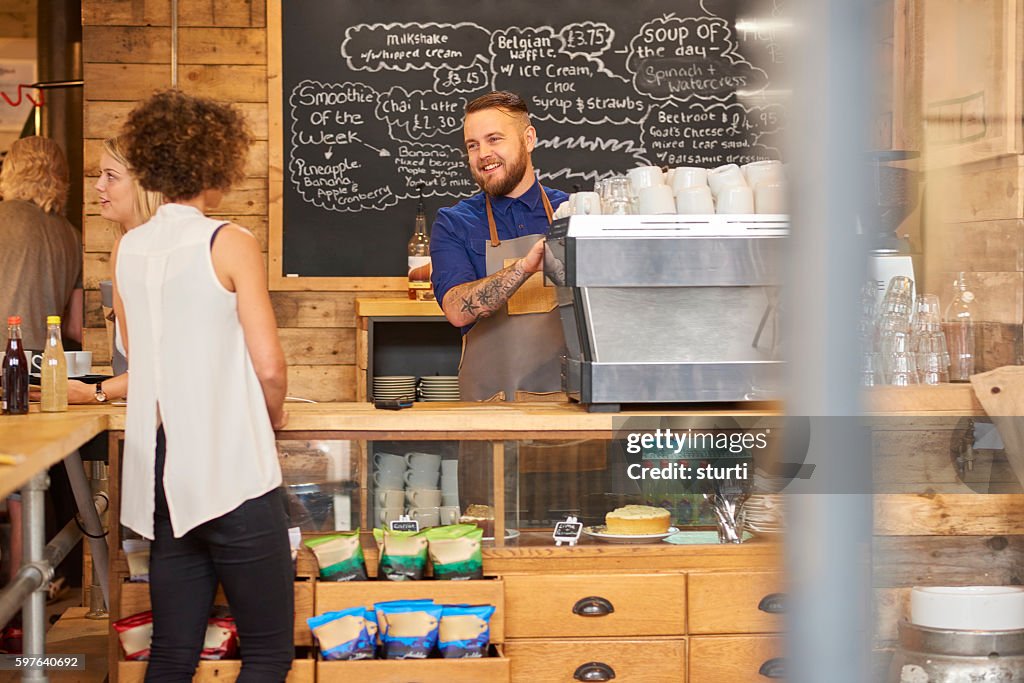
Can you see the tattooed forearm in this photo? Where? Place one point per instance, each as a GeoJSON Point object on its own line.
{"type": "Point", "coordinates": [465, 304]}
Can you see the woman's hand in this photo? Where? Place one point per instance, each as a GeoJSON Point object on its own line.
{"type": "Point", "coordinates": [80, 392]}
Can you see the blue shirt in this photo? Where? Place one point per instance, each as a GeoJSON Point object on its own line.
{"type": "Point", "coordinates": [459, 238]}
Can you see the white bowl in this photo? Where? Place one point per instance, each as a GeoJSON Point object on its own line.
{"type": "Point", "coordinates": [976, 608]}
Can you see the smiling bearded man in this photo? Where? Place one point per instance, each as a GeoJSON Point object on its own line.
{"type": "Point", "coordinates": [487, 253]}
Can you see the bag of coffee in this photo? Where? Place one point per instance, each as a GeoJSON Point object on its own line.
{"type": "Point", "coordinates": [455, 551]}
{"type": "Point", "coordinates": [342, 635]}
{"type": "Point", "coordinates": [411, 631]}
{"type": "Point", "coordinates": [136, 635]}
{"type": "Point", "coordinates": [465, 631]}
{"type": "Point", "coordinates": [340, 556]}
{"type": "Point", "coordinates": [403, 554]}
{"type": "Point", "coordinates": [221, 641]}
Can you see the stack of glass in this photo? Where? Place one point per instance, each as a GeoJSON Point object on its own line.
{"type": "Point", "coordinates": [616, 196]}
{"type": "Point", "coordinates": [902, 341]}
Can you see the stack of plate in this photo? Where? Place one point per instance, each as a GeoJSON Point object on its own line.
{"type": "Point", "coordinates": [765, 513]}
{"type": "Point", "coordinates": [439, 388]}
{"type": "Point", "coordinates": [394, 386]}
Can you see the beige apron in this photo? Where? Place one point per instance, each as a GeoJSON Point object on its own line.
{"type": "Point", "coordinates": [515, 354]}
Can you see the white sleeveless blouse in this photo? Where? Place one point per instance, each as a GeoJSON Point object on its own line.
{"type": "Point", "coordinates": [191, 369]}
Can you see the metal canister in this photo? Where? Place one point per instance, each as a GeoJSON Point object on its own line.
{"type": "Point", "coordinates": [932, 655]}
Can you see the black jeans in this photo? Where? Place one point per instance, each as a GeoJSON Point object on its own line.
{"type": "Point", "coordinates": [247, 551]}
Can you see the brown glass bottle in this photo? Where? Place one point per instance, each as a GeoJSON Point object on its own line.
{"type": "Point", "coordinates": [15, 371]}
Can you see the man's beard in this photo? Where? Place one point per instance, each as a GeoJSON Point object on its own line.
{"type": "Point", "coordinates": [512, 177]}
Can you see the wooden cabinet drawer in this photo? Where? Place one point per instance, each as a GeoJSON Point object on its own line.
{"type": "Point", "coordinates": [736, 659]}
{"type": "Point", "coordinates": [651, 660]}
{"type": "Point", "coordinates": [303, 671]}
{"type": "Point", "coordinates": [736, 602]}
{"type": "Point", "coordinates": [135, 599]}
{"type": "Point", "coordinates": [337, 596]}
{"type": "Point", "coordinates": [494, 669]}
{"type": "Point", "coordinates": [623, 605]}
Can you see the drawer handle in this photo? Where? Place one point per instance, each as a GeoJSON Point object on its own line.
{"type": "Point", "coordinates": [593, 606]}
{"type": "Point", "coordinates": [773, 603]}
{"type": "Point", "coordinates": [594, 671]}
{"type": "Point", "coordinates": [773, 668]}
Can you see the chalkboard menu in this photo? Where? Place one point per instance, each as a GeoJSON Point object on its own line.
{"type": "Point", "coordinates": [373, 96]}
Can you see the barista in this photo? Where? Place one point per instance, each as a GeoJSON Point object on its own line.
{"type": "Point", "coordinates": [487, 253]}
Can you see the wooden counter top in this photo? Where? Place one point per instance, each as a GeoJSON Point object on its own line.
{"type": "Point", "coordinates": [39, 440]}
{"type": "Point", "coordinates": [939, 400]}
{"type": "Point", "coordinates": [397, 308]}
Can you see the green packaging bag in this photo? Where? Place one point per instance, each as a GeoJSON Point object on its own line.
{"type": "Point", "coordinates": [455, 551]}
{"type": "Point", "coordinates": [403, 554]}
{"type": "Point", "coordinates": [340, 556]}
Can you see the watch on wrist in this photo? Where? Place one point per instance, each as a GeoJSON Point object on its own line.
{"type": "Point", "coordinates": [101, 397]}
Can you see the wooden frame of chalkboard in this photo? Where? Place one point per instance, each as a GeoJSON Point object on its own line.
{"type": "Point", "coordinates": [366, 102]}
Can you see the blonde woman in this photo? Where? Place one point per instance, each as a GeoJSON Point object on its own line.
{"type": "Point", "coordinates": [41, 258]}
{"type": "Point", "coordinates": [126, 204]}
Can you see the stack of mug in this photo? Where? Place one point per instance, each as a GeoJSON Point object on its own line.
{"type": "Point", "coordinates": [757, 187]}
{"type": "Point", "coordinates": [408, 485]}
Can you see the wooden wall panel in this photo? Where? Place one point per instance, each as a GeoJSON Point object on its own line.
{"type": "Point", "coordinates": [222, 53]}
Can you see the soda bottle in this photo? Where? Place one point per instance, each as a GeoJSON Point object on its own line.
{"type": "Point", "coordinates": [961, 315]}
{"type": "Point", "coordinates": [15, 371]}
{"type": "Point", "coordinates": [54, 373]}
{"type": "Point", "coordinates": [419, 258]}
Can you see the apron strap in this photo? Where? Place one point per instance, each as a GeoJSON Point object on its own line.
{"type": "Point", "coordinates": [493, 228]}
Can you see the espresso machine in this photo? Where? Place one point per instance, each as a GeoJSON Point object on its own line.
{"type": "Point", "coordinates": [669, 309]}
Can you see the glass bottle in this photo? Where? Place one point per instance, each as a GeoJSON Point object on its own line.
{"type": "Point", "coordinates": [961, 316]}
{"type": "Point", "coordinates": [54, 372]}
{"type": "Point", "coordinates": [419, 258]}
{"type": "Point", "coordinates": [15, 371]}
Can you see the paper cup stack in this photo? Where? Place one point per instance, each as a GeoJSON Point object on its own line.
{"type": "Point", "coordinates": [439, 388]}
{"type": "Point", "coordinates": [394, 387]}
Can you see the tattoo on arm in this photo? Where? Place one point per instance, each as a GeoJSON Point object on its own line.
{"type": "Point", "coordinates": [481, 298]}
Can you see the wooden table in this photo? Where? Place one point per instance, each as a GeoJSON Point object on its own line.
{"type": "Point", "coordinates": [35, 442]}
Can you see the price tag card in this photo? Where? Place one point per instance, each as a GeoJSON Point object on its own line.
{"type": "Point", "coordinates": [404, 523]}
{"type": "Point", "coordinates": [567, 531]}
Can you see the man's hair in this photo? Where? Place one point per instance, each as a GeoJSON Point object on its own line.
{"type": "Point", "coordinates": [180, 145]}
{"type": "Point", "coordinates": [144, 202]}
{"type": "Point", "coordinates": [509, 102]}
{"type": "Point", "coordinates": [36, 170]}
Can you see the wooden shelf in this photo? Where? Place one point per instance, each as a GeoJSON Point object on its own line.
{"type": "Point", "coordinates": [942, 399]}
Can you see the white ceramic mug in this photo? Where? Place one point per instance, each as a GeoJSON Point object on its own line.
{"type": "Point", "coordinates": [770, 197]}
{"type": "Point", "coordinates": [585, 204]}
{"type": "Point", "coordinates": [423, 461]}
{"type": "Point", "coordinates": [420, 479]}
{"type": "Point", "coordinates": [695, 200]}
{"type": "Point", "coordinates": [449, 499]}
{"type": "Point", "coordinates": [449, 468]}
{"type": "Point", "coordinates": [389, 479]}
{"type": "Point", "coordinates": [450, 484]}
{"type": "Point", "coordinates": [656, 199]}
{"type": "Point", "coordinates": [385, 515]}
{"type": "Point", "coordinates": [762, 172]}
{"type": "Point", "coordinates": [79, 363]}
{"type": "Point", "coordinates": [389, 461]}
{"type": "Point", "coordinates": [688, 176]}
{"type": "Point", "coordinates": [423, 497]}
{"type": "Point", "coordinates": [644, 176]}
{"type": "Point", "coordinates": [725, 176]}
{"type": "Point", "coordinates": [426, 516]}
{"type": "Point", "coordinates": [390, 498]}
{"type": "Point", "coordinates": [735, 199]}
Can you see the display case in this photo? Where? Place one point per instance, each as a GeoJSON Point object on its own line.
{"type": "Point", "coordinates": [635, 611]}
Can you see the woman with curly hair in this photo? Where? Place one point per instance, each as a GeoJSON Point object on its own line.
{"type": "Point", "coordinates": [206, 390]}
{"type": "Point", "coordinates": [41, 258]}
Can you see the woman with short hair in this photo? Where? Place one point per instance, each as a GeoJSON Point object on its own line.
{"type": "Point", "coordinates": [206, 390]}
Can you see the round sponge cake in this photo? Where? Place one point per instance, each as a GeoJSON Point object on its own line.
{"type": "Point", "coordinates": [636, 520]}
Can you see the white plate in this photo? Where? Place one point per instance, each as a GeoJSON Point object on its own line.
{"type": "Point", "coordinates": [509, 533]}
{"type": "Point", "coordinates": [395, 378]}
{"type": "Point", "coordinates": [598, 532]}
